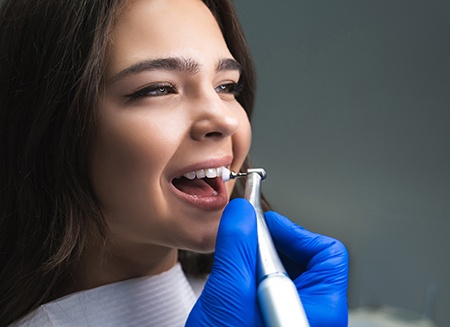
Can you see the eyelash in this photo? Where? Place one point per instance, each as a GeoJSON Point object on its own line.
{"type": "Point", "coordinates": [155, 90]}
{"type": "Point", "coordinates": [231, 88]}
{"type": "Point", "coordinates": [163, 89]}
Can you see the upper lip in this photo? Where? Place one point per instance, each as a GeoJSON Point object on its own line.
{"type": "Point", "coordinates": [209, 163]}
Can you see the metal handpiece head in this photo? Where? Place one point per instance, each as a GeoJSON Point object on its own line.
{"type": "Point", "coordinates": [259, 171]}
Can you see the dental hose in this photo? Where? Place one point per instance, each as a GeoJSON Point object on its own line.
{"type": "Point", "coordinates": [278, 298]}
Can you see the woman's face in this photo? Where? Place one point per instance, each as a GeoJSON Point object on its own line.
{"type": "Point", "coordinates": [168, 110]}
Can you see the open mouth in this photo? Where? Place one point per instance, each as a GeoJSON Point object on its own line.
{"type": "Point", "coordinates": [200, 183]}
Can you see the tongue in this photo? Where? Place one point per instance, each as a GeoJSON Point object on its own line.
{"type": "Point", "coordinates": [197, 187]}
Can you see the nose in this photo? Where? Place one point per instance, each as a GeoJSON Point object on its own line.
{"type": "Point", "coordinates": [214, 118]}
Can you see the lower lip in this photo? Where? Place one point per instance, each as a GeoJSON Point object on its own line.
{"type": "Point", "coordinates": [207, 203]}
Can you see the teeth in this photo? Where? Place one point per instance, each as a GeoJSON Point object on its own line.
{"type": "Point", "coordinates": [190, 175]}
{"type": "Point", "coordinates": [211, 173]}
{"type": "Point", "coordinates": [202, 173]}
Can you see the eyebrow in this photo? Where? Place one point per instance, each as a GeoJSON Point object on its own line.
{"type": "Point", "coordinates": [228, 64]}
{"type": "Point", "coordinates": [174, 64]}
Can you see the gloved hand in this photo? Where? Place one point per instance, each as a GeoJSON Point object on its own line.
{"type": "Point", "coordinates": [317, 264]}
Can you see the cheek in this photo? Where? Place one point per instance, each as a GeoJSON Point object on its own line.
{"type": "Point", "coordinates": [128, 153]}
{"type": "Point", "coordinates": [241, 147]}
{"type": "Point", "coordinates": [241, 142]}
{"type": "Point", "coordinates": [119, 152]}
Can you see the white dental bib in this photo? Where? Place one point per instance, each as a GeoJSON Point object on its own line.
{"type": "Point", "coordinates": [159, 301]}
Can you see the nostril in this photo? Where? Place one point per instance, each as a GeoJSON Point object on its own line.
{"type": "Point", "coordinates": [213, 134]}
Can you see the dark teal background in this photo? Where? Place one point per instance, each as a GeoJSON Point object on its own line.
{"type": "Point", "coordinates": [352, 124]}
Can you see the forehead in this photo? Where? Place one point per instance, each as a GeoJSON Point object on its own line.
{"type": "Point", "coordinates": [150, 29]}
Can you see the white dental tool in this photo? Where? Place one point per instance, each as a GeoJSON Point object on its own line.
{"type": "Point", "coordinates": [278, 298]}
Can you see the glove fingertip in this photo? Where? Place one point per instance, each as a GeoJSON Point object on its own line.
{"type": "Point", "coordinates": [277, 221]}
{"type": "Point", "coordinates": [291, 238]}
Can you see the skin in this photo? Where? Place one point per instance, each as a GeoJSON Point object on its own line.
{"type": "Point", "coordinates": [189, 119]}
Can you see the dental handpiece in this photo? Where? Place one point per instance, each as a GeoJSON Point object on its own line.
{"type": "Point", "coordinates": [278, 298]}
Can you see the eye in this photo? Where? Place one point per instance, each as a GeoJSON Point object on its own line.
{"type": "Point", "coordinates": [154, 90]}
{"type": "Point", "coordinates": [229, 88]}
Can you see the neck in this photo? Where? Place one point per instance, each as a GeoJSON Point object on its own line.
{"type": "Point", "coordinates": [114, 262]}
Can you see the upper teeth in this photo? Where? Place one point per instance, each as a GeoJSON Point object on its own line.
{"type": "Point", "coordinates": [202, 173]}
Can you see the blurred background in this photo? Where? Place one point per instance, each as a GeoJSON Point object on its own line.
{"type": "Point", "coordinates": [352, 124]}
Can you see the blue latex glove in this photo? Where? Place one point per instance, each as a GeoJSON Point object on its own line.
{"type": "Point", "coordinates": [317, 264]}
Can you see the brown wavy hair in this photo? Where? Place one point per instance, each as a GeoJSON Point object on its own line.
{"type": "Point", "coordinates": [52, 61]}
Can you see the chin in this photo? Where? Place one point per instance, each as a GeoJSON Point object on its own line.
{"type": "Point", "coordinates": [206, 244]}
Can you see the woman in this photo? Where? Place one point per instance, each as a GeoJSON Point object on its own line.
{"type": "Point", "coordinates": [111, 113]}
